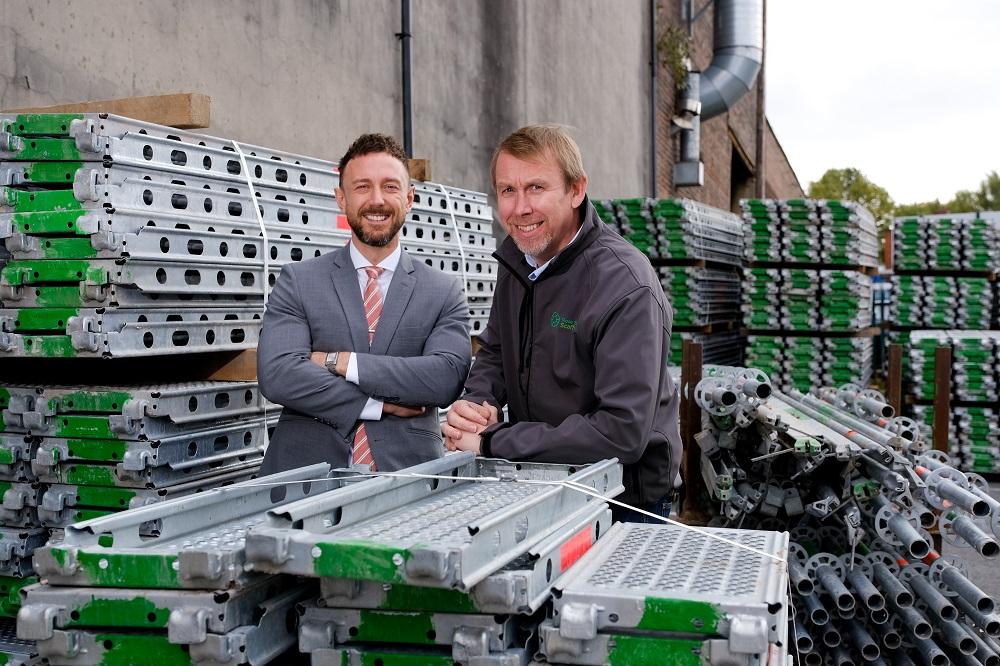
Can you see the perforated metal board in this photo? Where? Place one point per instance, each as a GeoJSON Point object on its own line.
{"type": "Point", "coordinates": [469, 635]}
{"type": "Point", "coordinates": [522, 586]}
{"type": "Point", "coordinates": [433, 533]}
{"type": "Point", "coordinates": [663, 578]}
{"type": "Point", "coordinates": [368, 655]}
{"type": "Point", "coordinates": [199, 542]}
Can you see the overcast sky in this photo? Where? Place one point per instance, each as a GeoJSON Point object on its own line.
{"type": "Point", "coordinates": [907, 91]}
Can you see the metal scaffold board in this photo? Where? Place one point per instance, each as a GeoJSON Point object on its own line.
{"type": "Point", "coordinates": [15, 651]}
{"type": "Point", "coordinates": [469, 635]}
{"type": "Point", "coordinates": [100, 332]}
{"type": "Point", "coordinates": [365, 655]}
{"type": "Point", "coordinates": [520, 587]}
{"type": "Point", "coordinates": [199, 542]}
{"type": "Point", "coordinates": [19, 503]}
{"type": "Point", "coordinates": [163, 477]}
{"type": "Point", "coordinates": [431, 533]}
{"type": "Point", "coordinates": [128, 412]}
{"type": "Point", "coordinates": [269, 635]}
{"type": "Point", "coordinates": [16, 548]}
{"type": "Point", "coordinates": [677, 580]}
{"type": "Point", "coordinates": [203, 446]}
{"type": "Point", "coordinates": [64, 504]}
{"type": "Point", "coordinates": [187, 615]}
{"type": "Point", "coordinates": [119, 140]}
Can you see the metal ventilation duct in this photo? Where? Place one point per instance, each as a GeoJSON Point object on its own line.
{"type": "Point", "coordinates": [739, 51]}
{"type": "Point", "coordinates": [736, 61]}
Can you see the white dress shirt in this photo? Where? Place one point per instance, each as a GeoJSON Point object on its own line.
{"type": "Point", "coordinates": [373, 408]}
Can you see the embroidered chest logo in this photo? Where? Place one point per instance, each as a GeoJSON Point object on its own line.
{"type": "Point", "coordinates": [558, 321]}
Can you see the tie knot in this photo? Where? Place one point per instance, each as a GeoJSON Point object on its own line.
{"type": "Point", "coordinates": [374, 272]}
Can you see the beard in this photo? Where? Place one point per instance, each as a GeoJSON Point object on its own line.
{"type": "Point", "coordinates": [535, 247]}
{"type": "Point", "coordinates": [376, 237]}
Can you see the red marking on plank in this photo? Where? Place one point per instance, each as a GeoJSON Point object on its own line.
{"type": "Point", "coordinates": [574, 548]}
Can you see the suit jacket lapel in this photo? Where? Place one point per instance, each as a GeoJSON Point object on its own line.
{"type": "Point", "coordinates": [345, 282]}
{"type": "Point", "coordinates": [394, 303]}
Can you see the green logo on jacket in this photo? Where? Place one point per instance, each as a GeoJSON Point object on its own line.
{"type": "Point", "coordinates": [558, 321]}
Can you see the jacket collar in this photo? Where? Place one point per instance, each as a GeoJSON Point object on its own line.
{"type": "Point", "coordinates": [590, 228]}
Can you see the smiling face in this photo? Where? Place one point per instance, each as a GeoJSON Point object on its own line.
{"type": "Point", "coordinates": [375, 195]}
{"type": "Point", "coordinates": [538, 208]}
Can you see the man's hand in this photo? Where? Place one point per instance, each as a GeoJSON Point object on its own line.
{"type": "Point", "coordinates": [465, 416]}
{"type": "Point", "coordinates": [402, 411]}
{"type": "Point", "coordinates": [468, 441]}
{"type": "Point", "coordinates": [319, 358]}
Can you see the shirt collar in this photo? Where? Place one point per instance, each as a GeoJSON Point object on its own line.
{"type": "Point", "coordinates": [389, 263]}
{"type": "Point", "coordinates": [539, 269]}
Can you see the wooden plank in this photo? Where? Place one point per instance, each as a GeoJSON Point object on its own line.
{"type": "Point", "coordinates": [239, 367]}
{"type": "Point", "coordinates": [420, 169]}
{"type": "Point", "coordinates": [180, 110]}
{"type": "Point", "coordinates": [894, 379]}
{"type": "Point", "coordinates": [942, 397]}
{"type": "Point", "coordinates": [690, 425]}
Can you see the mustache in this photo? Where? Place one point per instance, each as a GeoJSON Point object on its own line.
{"type": "Point", "coordinates": [377, 210]}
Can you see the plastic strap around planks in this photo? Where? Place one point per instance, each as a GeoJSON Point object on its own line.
{"type": "Point", "coordinates": [265, 282]}
{"type": "Point", "coordinates": [458, 237]}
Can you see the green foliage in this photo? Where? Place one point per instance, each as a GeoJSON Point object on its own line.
{"type": "Point", "coordinates": [963, 202]}
{"type": "Point", "coordinates": [853, 185]}
{"type": "Point", "coordinates": [925, 208]}
{"type": "Point", "coordinates": [988, 196]}
{"type": "Point", "coordinates": [674, 48]}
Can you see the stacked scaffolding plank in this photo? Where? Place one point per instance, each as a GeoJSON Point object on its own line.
{"type": "Point", "coordinates": [975, 397]}
{"type": "Point", "coordinates": [946, 294]}
{"type": "Point", "coordinates": [857, 490]}
{"type": "Point", "coordinates": [697, 251]}
{"type": "Point", "coordinates": [807, 293]}
{"type": "Point", "coordinates": [128, 238]}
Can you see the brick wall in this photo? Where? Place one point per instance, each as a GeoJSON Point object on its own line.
{"type": "Point", "coordinates": [721, 137]}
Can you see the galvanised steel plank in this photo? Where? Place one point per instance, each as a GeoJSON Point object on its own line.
{"type": "Point", "coordinates": [188, 616]}
{"type": "Point", "coordinates": [16, 453]}
{"type": "Point", "coordinates": [17, 547]}
{"type": "Point", "coordinates": [204, 445]}
{"type": "Point", "coordinates": [130, 412]}
{"type": "Point", "coordinates": [442, 533]}
{"type": "Point", "coordinates": [520, 587]}
{"type": "Point", "coordinates": [65, 504]}
{"type": "Point", "coordinates": [98, 474]}
{"type": "Point", "coordinates": [13, 650]}
{"type": "Point", "coordinates": [19, 503]}
{"type": "Point", "coordinates": [120, 140]}
{"type": "Point", "coordinates": [368, 655]}
{"type": "Point", "coordinates": [624, 649]}
{"type": "Point", "coordinates": [469, 635]}
{"type": "Point", "coordinates": [677, 580]}
{"type": "Point", "coordinates": [200, 539]}
{"type": "Point", "coordinates": [103, 332]}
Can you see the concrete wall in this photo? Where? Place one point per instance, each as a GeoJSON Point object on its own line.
{"type": "Point", "coordinates": [310, 75]}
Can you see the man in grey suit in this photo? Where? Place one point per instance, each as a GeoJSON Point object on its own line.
{"type": "Point", "coordinates": [362, 345]}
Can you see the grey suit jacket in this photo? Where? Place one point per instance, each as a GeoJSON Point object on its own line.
{"type": "Point", "coordinates": [420, 355]}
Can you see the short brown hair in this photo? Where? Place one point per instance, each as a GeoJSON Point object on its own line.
{"type": "Point", "coordinates": [374, 143]}
{"type": "Point", "coordinates": [534, 140]}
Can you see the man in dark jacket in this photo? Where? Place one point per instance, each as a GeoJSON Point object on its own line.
{"type": "Point", "coordinates": [577, 341]}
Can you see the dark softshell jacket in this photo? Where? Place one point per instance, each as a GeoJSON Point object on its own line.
{"type": "Point", "coordinates": [580, 359]}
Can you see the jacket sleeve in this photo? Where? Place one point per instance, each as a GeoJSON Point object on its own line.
{"type": "Point", "coordinates": [435, 377]}
{"type": "Point", "coordinates": [285, 372]}
{"type": "Point", "coordinates": [486, 379]}
{"type": "Point", "coordinates": [629, 360]}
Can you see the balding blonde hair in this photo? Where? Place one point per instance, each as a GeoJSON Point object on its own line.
{"type": "Point", "coordinates": [533, 141]}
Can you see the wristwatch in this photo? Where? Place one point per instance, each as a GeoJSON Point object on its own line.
{"type": "Point", "coordinates": [331, 362]}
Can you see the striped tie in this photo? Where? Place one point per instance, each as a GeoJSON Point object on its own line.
{"type": "Point", "coordinates": [362, 452]}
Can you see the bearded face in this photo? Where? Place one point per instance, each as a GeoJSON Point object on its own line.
{"type": "Point", "coordinates": [375, 196]}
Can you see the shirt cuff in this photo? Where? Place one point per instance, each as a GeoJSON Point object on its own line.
{"type": "Point", "coordinates": [352, 369]}
{"type": "Point", "coordinates": [372, 410]}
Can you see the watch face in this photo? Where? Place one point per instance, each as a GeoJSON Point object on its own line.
{"type": "Point", "coordinates": [331, 360]}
